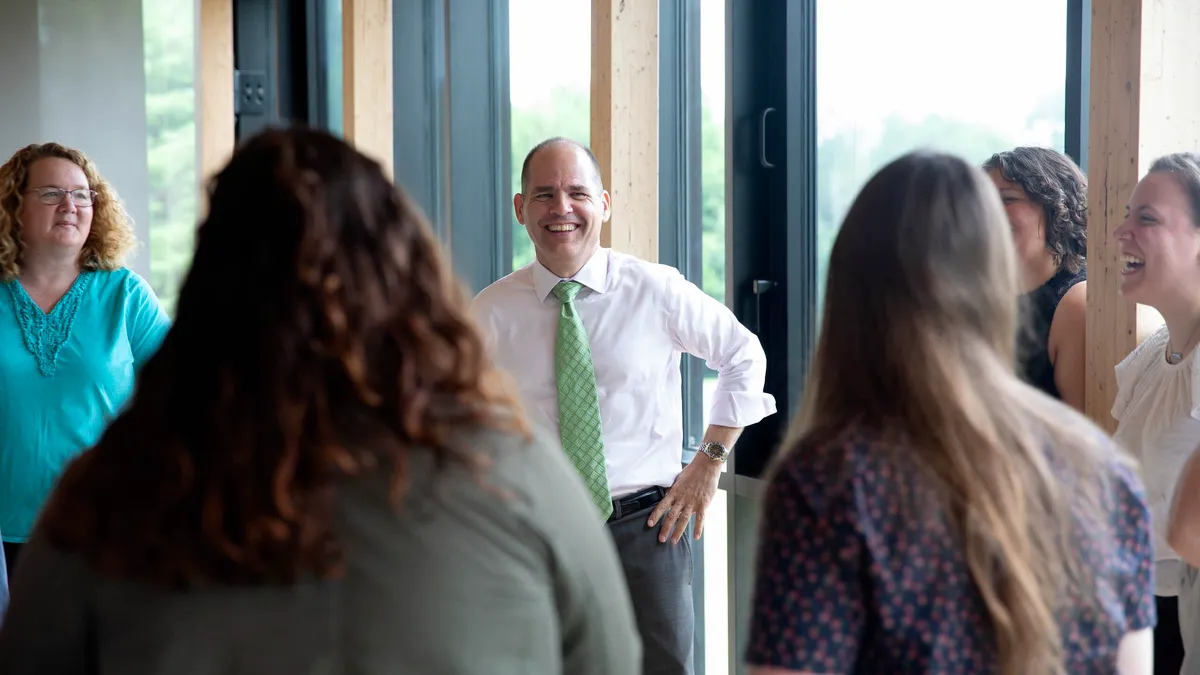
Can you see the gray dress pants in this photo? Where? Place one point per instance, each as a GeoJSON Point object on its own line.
{"type": "Point", "coordinates": [660, 584]}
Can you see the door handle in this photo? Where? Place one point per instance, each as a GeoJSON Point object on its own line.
{"type": "Point", "coordinates": [758, 287]}
{"type": "Point", "coordinates": [762, 139]}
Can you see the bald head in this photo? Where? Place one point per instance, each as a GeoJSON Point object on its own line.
{"type": "Point", "coordinates": [559, 142]}
{"type": "Point", "coordinates": [562, 204]}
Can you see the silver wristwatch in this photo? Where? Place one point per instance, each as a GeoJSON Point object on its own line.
{"type": "Point", "coordinates": [715, 450]}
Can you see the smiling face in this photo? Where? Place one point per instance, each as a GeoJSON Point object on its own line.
{"type": "Point", "coordinates": [563, 207]}
{"type": "Point", "coordinates": [1027, 219]}
{"type": "Point", "coordinates": [64, 225]}
{"type": "Point", "coordinates": [1160, 244]}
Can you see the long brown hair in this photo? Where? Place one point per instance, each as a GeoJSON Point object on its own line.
{"type": "Point", "coordinates": [111, 237]}
{"type": "Point", "coordinates": [317, 293]}
{"type": "Point", "coordinates": [918, 339]}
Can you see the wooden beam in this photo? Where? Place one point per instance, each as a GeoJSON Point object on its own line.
{"type": "Point", "coordinates": [367, 119]}
{"type": "Point", "coordinates": [1145, 63]}
{"type": "Point", "coordinates": [1112, 173]}
{"type": "Point", "coordinates": [624, 125]}
{"type": "Point", "coordinates": [214, 90]}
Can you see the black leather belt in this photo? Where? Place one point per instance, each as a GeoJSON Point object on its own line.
{"type": "Point", "coordinates": [636, 502]}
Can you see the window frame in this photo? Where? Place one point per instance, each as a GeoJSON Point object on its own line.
{"type": "Point", "coordinates": [1078, 76]}
{"type": "Point", "coordinates": [479, 158]}
{"type": "Point", "coordinates": [680, 222]}
{"type": "Point", "coordinates": [680, 176]}
{"type": "Point", "coordinates": [784, 203]}
{"type": "Point", "coordinates": [419, 104]}
{"type": "Point", "coordinates": [771, 151]}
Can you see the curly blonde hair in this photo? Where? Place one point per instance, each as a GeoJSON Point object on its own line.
{"type": "Point", "coordinates": [111, 237]}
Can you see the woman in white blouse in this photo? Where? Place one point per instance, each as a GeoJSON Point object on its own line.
{"type": "Point", "coordinates": [1158, 396]}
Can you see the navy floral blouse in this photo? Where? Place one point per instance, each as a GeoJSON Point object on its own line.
{"type": "Point", "coordinates": [846, 583]}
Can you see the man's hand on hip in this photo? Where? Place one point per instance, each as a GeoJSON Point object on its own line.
{"type": "Point", "coordinates": [690, 496]}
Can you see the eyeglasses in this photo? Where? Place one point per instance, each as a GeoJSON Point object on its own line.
{"type": "Point", "coordinates": [52, 196]}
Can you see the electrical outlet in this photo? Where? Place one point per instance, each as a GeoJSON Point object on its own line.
{"type": "Point", "coordinates": [251, 92]}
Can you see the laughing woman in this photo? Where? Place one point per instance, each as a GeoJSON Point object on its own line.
{"type": "Point", "coordinates": [75, 325]}
{"type": "Point", "coordinates": [1157, 404]}
{"type": "Point", "coordinates": [1045, 198]}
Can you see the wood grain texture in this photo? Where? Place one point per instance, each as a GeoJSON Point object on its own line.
{"type": "Point", "coordinates": [624, 124]}
{"type": "Point", "coordinates": [367, 118]}
{"type": "Point", "coordinates": [214, 90]}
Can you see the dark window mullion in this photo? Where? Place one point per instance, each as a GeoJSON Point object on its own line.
{"type": "Point", "coordinates": [1078, 75]}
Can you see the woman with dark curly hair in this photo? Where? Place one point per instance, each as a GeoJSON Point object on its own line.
{"type": "Point", "coordinates": [75, 324]}
{"type": "Point", "coordinates": [320, 471]}
{"type": "Point", "coordinates": [1045, 196]}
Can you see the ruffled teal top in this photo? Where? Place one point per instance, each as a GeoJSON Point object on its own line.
{"type": "Point", "coordinates": [63, 376]}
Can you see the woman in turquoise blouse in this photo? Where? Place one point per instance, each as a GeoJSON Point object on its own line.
{"type": "Point", "coordinates": [327, 475]}
{"type": "Point", "coordinates": [75, 325]}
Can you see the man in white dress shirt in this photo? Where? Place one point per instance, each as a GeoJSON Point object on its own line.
{"type": "Point", "coordinates": [593, 339]}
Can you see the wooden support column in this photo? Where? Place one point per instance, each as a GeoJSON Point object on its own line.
{"type": "Point", "coordinates": [214, 91]}
{"type": "Point", "coordinates": [1145, 102]}
{"type": "Point", "coordinates": [624, 129]}
{"type": "Point", "coordinates": [367, 119]}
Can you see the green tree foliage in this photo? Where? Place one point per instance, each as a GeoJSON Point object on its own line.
{"type": "Point", "coordinates": [844, 163]}
{"type": "Point", "coordinates": [170, 67]}
{"type": "Point", "coordinates": [712, 205]}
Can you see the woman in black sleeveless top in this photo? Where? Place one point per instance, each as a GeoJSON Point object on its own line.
{"type": "Point", "coordinates": [1045, 195]}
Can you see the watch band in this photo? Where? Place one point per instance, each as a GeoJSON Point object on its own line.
{"type": "Point", "coordinates": [715, 451]}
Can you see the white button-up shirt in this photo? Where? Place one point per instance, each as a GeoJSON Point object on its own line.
{"type": "Point", "coordinates": [640, 318]}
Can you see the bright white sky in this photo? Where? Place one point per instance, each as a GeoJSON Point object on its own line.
{"type": "Point", "coordinates": [562, 29]}
{"type": "Point", "coordinates": [976, 60]}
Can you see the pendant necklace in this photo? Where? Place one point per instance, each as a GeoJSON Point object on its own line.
{"type": "Point", "coordinates": [1174, 358]}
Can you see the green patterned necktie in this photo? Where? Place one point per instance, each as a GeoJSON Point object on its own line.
{"type": "Point", "coordinates": [578, 403]}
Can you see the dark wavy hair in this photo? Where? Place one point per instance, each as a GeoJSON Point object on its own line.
{"type": "Point", "coordinates": [317, 294]}
{"type": "Point", "coordinates": [1051, 179]}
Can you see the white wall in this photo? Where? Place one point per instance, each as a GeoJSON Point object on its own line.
{"type": "Point", "coordinates": [74, 74]}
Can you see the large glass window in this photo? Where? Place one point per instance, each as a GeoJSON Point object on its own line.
{"type": "Point", "coordinates": [712, 279]}
{"type": "Point", "coordinates": [140, 131]}
{"type": "Point", "coordinates": [712, 146]}
{"type": "Point", "coordinates": [550, 71]}
{"type": "Point", "coordinates": [169, 31]}
{"type": "Point", "coordinates": [332, 64]}
{"type": "Point", "coordinates": [945, 74]}
{"type": "Point", "coordinates": [882, 78]}
{"type": "Point", "coordinates": [712, 160]}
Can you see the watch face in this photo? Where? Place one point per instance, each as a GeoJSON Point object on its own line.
{"type": "Point", "coordinates": [715, 450]}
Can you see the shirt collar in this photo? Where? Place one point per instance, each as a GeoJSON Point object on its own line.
{"type": "Point", "coordinates": [594, 275]}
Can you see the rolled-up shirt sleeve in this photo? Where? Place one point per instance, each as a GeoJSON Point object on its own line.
{"type": "Point", "coordinates": [705, 328]}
